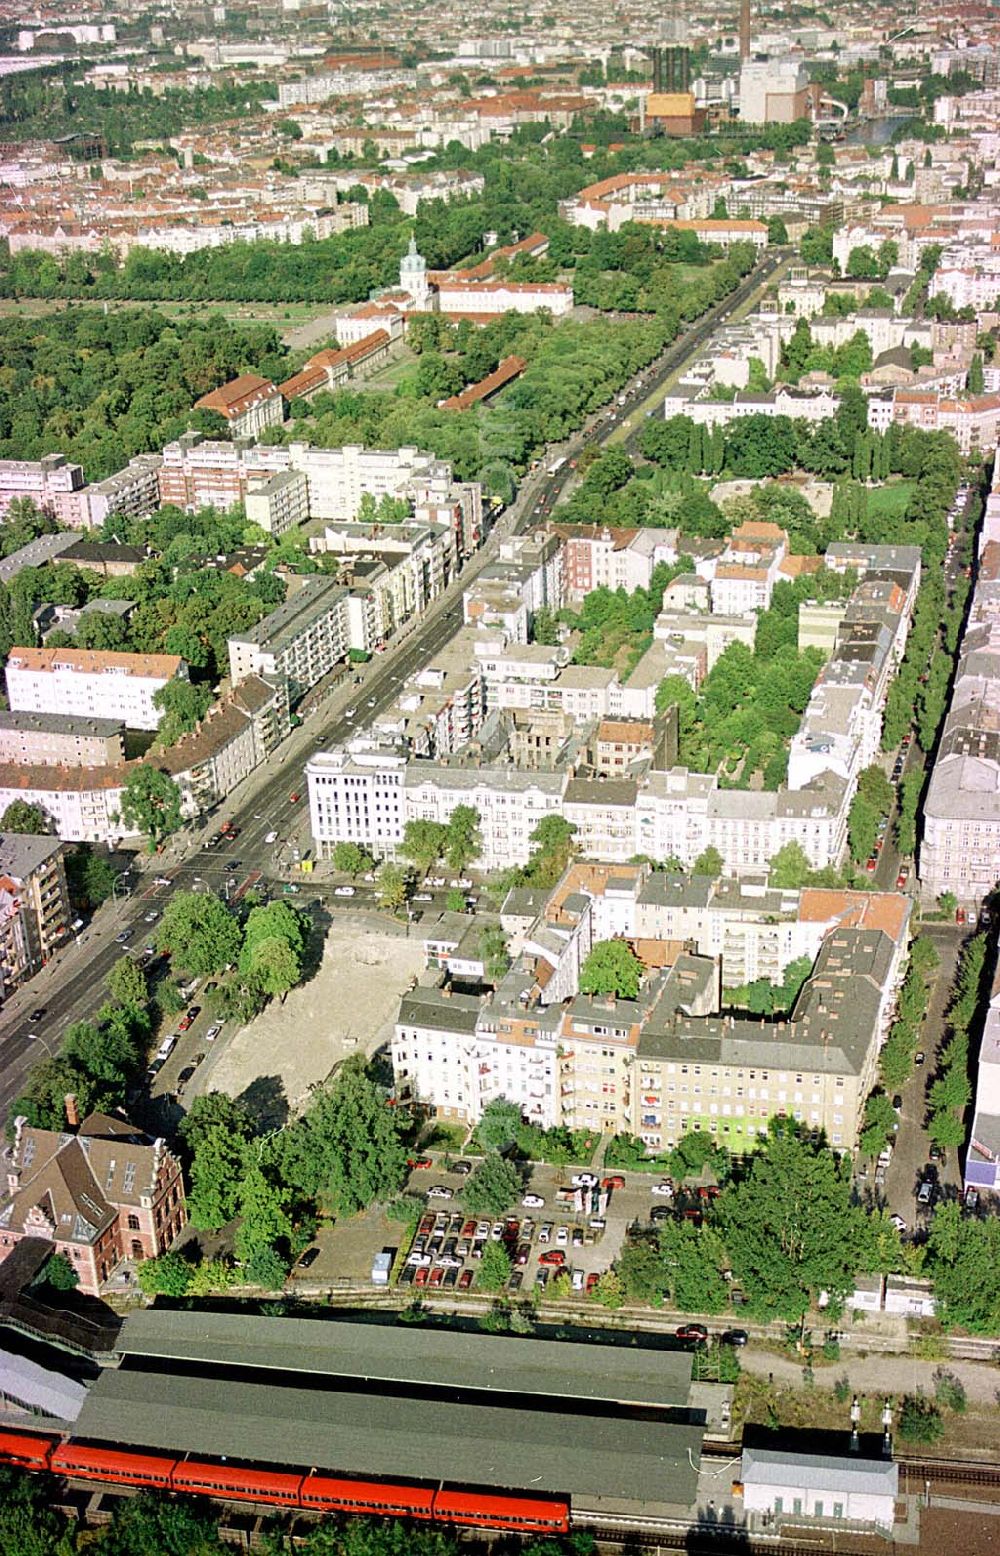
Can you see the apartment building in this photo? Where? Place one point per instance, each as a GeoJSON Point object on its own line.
{"type": "Point", "coordinates": [248, 405]}
{"type": "Point", "coordinates": [357, 797]}
{"type": "Point", "coordinates": [82, 804]}
{"type": "Point", "coordinates": [418, 561]}
{"type": "Point", "coordinates": [131, 493]}
{"type": "Point", "coordinates": [303, 640]}
{"type": "Point", "coordinates": [972, 420]}
{"type": "Point", "coordinates": [510, 804]}
{"type": "Point", "coordinates": [35, 912]}
{"type": "Point", "coordinates": [88, 683]}
{"type": "Point", "coordinates": [57, 739]}
{"type": "Point", "coordinates": [960, 849]}
{"type": "Point", "coordinates": [608, 558]}
{"type": "Point", "coordinates": [53, 484]}
{"type": "Point", "coordinates": [199, 472]}
{"type": "Point", "coordinates": [235, 737]}
{"type": "Point", "coordinates": [982, 1161]}
{"type": "Point", "coordinates": [101, 1192]}
{"type": "Point", "coordinates": [277, 502]}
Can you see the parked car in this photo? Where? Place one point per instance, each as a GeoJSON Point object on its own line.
{"type": "Point", "coordinates": [919, 1057]}
{"type": "Point", "coordinates": [592, 1280]}
{"type": "Point", "coordinates": [415, 1162]}
{"type": "Point", "coordinates": [465, 1279]}
{"type": "Point", "coordinates": [271, 837]}
{"type": "Point", "coordinates": [695, 1332]}
{"type": "Point", "coordinates": [665, 1189]}
{"type": "Point", "coordinates": [584, 1180]}
{"type": "Point", "coordinates": [616, 1181]}
{"type": "Point", "coordinates": [898, 1223]}
{"type": "Point", "coordinates": [213, 1032]}
{"type": "Point", "coordinates": [734, 1337]}
{"type": "Point", "coordinates": [422, 1276]}
{"type": "Point", "coordinates": [308, 1258]}
{"type": "Point", "coordinates": [552, 1256]}
{"type": "Point", "coordinates": [439, 1191]}
{"type": "Point", "coordinates": [462, 1168]}
{"type": "Point", "coordinates": [437, 1275]}
{"type": "Point", "coordinates": [533, 1201]}
{"type": "Point", "coordinates": [344, 891]}
{"type": "Point", "coordinates": [515, 1280]}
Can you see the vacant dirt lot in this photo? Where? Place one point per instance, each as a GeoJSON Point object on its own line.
{"type": "Point", "coordinates": [348, 1007]}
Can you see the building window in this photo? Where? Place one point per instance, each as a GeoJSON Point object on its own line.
{"type": "Point", "coordinates": [133, 1223]}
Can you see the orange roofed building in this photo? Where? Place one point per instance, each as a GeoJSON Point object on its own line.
{"type": "Point", "coordinates": [247, 405]}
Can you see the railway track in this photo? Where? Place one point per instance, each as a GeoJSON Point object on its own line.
{"type": "Point", "coordinates": [955, 1472]}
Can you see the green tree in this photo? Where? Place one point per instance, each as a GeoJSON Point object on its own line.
{"type": "Point", "coordinates": [879, 1124]}
{"type": "Point", "coordinates": [264, 1222]}
{"type": "Point", "coordinates": [494, 1268]}
{"type": "Point", "coordinates": [976, 376]}
{"type": "Point", "coordinates": [709, 862]}
{"type": "Point", "coordinates": [790, 1226]}
{"type": "Point", "coordinates": [348, 1150]}
{"type": "Point", "coordinates": [392, 886]}
{"type": "Point", "coordinates": [463, 840]}
{"type": "Point", "coordinates": [789, 867]}
{"type": "Point", "coordinates": [423, 843]}
{"type": "Point", "coordinates": [500, 1124]}
{"type": "Point", "coordinates": [455, 900]}
{"type": "Point", "coordinates": [274, 943]}
{"type": "Point", "coordinates": [126, 983]}
{"type": "Point", "coordinates": [150, 1524]}
{"type": "Point", "coordinates": [166, 1276]}
{"type": "Point", "coordinates": [59, 1273]}
{"type": "Point", "coordinates": [351, 858]}
{"type": "Point", "coordinates": [862, 828]}
{"type": "Point", "coordinates": [181, 706]}
{"type": "Point", "coordinates": [199, 932]}
{"type": "Point", "coordinates": [493, 1187]}
{"type": "Point", "coordinates": [612, 967]}
{"type": "Point", "coordinates": [151, 804]}
{"type": "Point", "coordinates": [216, 1175]}
{"type": "Point", "coordinates": [20, 816]}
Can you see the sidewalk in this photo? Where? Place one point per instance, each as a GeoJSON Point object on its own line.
{"type": "Point", "coordinates": [879, 1374]}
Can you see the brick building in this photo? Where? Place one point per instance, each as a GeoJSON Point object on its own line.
{"type": "Point", "coordinates": [101, 1192]}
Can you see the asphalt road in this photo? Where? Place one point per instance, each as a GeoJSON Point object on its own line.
{"type": "Point", "coordinates": [72, 986]}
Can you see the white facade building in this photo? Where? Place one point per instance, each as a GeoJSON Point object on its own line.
{"type": "Point", "coordinates": [88, 683]}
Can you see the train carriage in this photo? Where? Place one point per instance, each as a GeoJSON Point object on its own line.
{"type": "Point", "coordinates": [490, 1510]}
{"type": "Point", "coordinates": [328, 1493]}
{"type": "Point", "coordinates": [32, 1453]}
{"type": "Point", "coordinates": [82, 1461]}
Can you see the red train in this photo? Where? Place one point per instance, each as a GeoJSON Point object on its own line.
{"type": "Point", "coordinates": [280, 1488]}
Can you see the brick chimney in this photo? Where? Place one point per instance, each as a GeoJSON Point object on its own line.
{"type": "Point", "coordinates": [72, 1111]}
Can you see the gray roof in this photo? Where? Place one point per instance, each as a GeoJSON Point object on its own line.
{"type": "Point", "coordinates": [820, 1472]}
{"type": "Point", "coordinates": [440, 1012]}
{"type": "Point", "coordinates": [553, 1369]}
{"type": "Point", "coordinates": [61, 724]}
{"type": "Point", "coordinates": [395, 1436]}
{"type": "Point", "coordinates": [40, 1388]}
{"type": "Point", "coordinates": [45, 549]}
{"type": "Point", "coordinates": [315, 599]}
{"type": "Point", "coordinates": [22, 853]}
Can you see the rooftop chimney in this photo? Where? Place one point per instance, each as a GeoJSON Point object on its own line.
{"type": "Point", "coordinates": [72, 1111]}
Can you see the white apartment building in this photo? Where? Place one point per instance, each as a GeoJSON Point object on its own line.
{"type": "Point", "coordinates": [419, 561]}
{"type": "Point", "coordinates": [277, 502]}
{"type": "Point", "coordinates": [304, 639]}
{"type": "Point", "coordinates": [82, 804]}
{"type": "Point", "coordinates": [53, 484]}
{"type": "Point", "coordinates": [357, 797]}
{"type": "Point", "coordinates": [510, 804]}
{"type": "Point", "coordinates": [88, 683]}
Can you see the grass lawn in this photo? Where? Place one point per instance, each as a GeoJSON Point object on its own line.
{"type": "Point", "coordinates": [890, 501]}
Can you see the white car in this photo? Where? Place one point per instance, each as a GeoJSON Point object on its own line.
{"type": "Point", "coordinates": [898, 1223]}
{"type": "Point", "coordinates": [151, 916]}
{"type": "Point", "coordinates": [162, 880]}
{"type": "Point", "coordinates": [213, 1032]}
{"type": "Point", "coordinates": [423, 896]}
{"type": "Point", "coordinates": [419, 1259]}
{"type": "Point", "coordinates": [533, 1201]}
{"type": "Point", "coordinates": [562, 1236]}
{"type": "Point", "coordinates": [344, 891]}
{"type": "Point", "coordinates": [665, 1189]}
{"type": "Point", "coordinates": [438, 1191]}
{"type": "Point", "coordinates": [350, 712]}
{"type": "Point", "coordinates": [272, 837]}
{"type": "Point", "coordinates": [583, 1180]}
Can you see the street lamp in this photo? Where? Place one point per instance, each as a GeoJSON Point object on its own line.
{"type": "Point", "coordinates": [36, 1037]}
{"type": "Point", "coordinates": [126, 890]}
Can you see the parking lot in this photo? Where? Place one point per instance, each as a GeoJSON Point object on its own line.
{"type": "Point", "coordinates": [578, 1230]}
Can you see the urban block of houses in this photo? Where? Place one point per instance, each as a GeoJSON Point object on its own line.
{"type": "Point", "coordinates": [101, 1192]}
{"type": "Point", "coordinates": [677, 1058]}
{"type": "Point", "coordinates": [247, 404]}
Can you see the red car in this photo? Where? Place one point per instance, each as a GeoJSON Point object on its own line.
{"type": "Point", "coordinates": [592, 1280]}
{"type": "Point", "coordinates": [614, 1182]}
{"type": "Point", "coordinates": [183, 1023]}
{"type": "Point", "coordinates": [696, 1332]}
{"type": "Point", "coordinates": [437, 1274]}
{"type": "Point", "coordinates": [294, 797]}
{"type": "Point", "coordinates": [554, 1256]}
{"type": "Point", "coordinates": [901, 879]}
{"type": "Point", "coordinates": [465, 1279]}
{"type": "Point", "coordinates": [422, 1275]}
{"type": "Point", "coordinates": [413, 1162]}
{"type": "Point", "coordinates": [709, 1191]}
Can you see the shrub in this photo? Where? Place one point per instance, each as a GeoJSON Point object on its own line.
{"type": "Point", "coordinates": [919, 1420]}
{"type": "Point", "coordinates": [949, 1392]}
